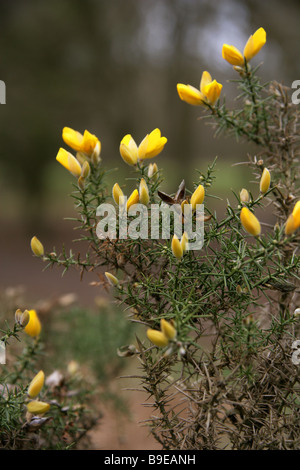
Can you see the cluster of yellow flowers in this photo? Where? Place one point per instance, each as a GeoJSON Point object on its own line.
{"type": "Point", "coordinates": [88, 148]}
{"type": "Point", "coordinates": [251, 224]}
{"type": "Point", "coordinates": [293, 221]}
{"type": "Point", "coordinates": [210, 90]}
{"type": "Point", "coordinates": [37, 407]}
{"type": "Point", "coordinates": [137, 196]}
{"type": "Point", "coordinates": [150, 147]}
{"type": "Point", "coordinates": [29, 320]}
{"type": "Point", "coordinates": [166, 334]}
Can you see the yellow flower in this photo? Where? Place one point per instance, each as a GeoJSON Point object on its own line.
{"type": "Point", "coordinates": [111, 279]}
{"type": "Point", "coordinates": [212, 92]}
{"type": "Point", "coordinates": [143, 192]}
{"type": "Point", "coordinates": [290, 226]}
{"type": "Point", "coordinates": [197, 196]}
{"type": "Point", "coordinates": [252, 47]}
{"type": "Point", "coordinates": [36, 384]}
{"type": "Point", "coordinates": [255, 43]}
{"type": "Point", "coordinates": [150, 146]}
{"type": "Point", "coordinates": [129, 150]}
{"type": "Point", "coordinates": [86, 143]}
{"type": "Point", "coordinates": [250, 222]}
{"type": "Point", "coordinates": [37, 407]}
{"type": "Point", "coordinates": [117, 193]}
{"type": "Point", "coordinates": [133, 199]}
{"type": "Point", "coordinates": [293, 221]}
{"type": "Point", "coordinates": [232, 55]}
{"type": "Point", "coordinates": [37, 246]}
{"type": "Point", "coordinates": [265, 181]}
{"type": "Point", "coordinates": [184, 242]}
{"type": "Point", "coordinates": [296, 213]}
{"type": "Point", "coordinates": [33, 327]}
{"type": "Point", "coordinates": [68, 160]}
{"type": "Point", "coordinates": [190, 95]}
{"type": "Point", "coordinates": [157, 337]}
{"type": "Point", "coordinates": [208, 93]}
{"type": "Point", "coordinates": [177, 247]}
{"type": "Point", "coordinates": [167, 329]}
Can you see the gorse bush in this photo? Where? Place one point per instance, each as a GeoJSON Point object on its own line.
{"type": "Point", "coordinates": [38, 410]}
{"type": "Point", "coordinates": [219, 323]}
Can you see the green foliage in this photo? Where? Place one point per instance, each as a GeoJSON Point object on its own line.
{"type": "Point", "coordinates": [94, 338]}
{"type": "Point", "coordinates": [226, 379]}
{"type": "Point", "coordinates": [69, 417]}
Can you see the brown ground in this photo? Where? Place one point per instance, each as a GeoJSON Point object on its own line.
{"type": "Point", "coordinates": [120, 433]}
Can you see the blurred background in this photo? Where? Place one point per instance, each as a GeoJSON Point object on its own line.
{"type": "Point", "coordinates": [112, 67]}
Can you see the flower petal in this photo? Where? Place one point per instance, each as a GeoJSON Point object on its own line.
{"type": "Point", "coordinates": [232, 55]}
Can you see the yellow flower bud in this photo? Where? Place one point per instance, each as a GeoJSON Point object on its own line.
{"type": "Point", "coordinates": [244, 195]}
{"type": "Point", "coordinates": [255, 43]}
{"type": "Point", "coordinates": [37, 247]}
{"type": "Point", "coordinates": [186, 208]}
{"type": "Point", "coordinates": [190, 95]}
{"type": "Point", "coordinates": [212, 92]}
{"type": "Point", "coordinates": [36, 384]}
{"type": "Point", "coordinates": [208, 93]}
{"type": "Point", "coordinates": [167, 329]}
{"type": "Point", "coordinates": [177, 248]}
{"type": "Point", "coordinates": [72, 138]}
{"type": "Point", "coordinates": [250, 222]}
{"type": "Point", "coordinates": [91, 145]}
{"type": "Point", "coordinates": [129, 150]}
{"type": "Point", "coordinates": [33, 327]}
{"type": "Point", "coordinates": [252, 47]}
{"type": "Point", "coordinates": [117, 193]}
{"type": "Point", "coordinates": [265, 181]}
{"type": "Point", "coordinates": [111, 279]}
{"type": "Point", "coordinates": [296, 214]}
{"type": "Point", "coordinates": [37, 407]}
{"type": "Point", "coordinates": [133, 199]}
{"type": "Point", "coordinates": [290, 226]}
{"type": "Point", "coordinates": [95, 157]}
{"type": "Point", "coordinates": [293, 221]}
{"type": "Point", "coordinates": [197, 196]}
{"type": "Point", "coordinates": [184, 241]}
{"type": "Point", "coordinates": [157, 337]}
{"type": "Point", "coordinates": [232, 55]}
{"type": "Point", "coordinates": [153, 171]}
{"type": "Point", "coordinates": [67, 160]}
{"type": "Point", "coordinates": [151, 145]}
{"type": "Point", "coordinates": [87, 143]}
{"type": "Point", "coordinates": [143, 192]}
